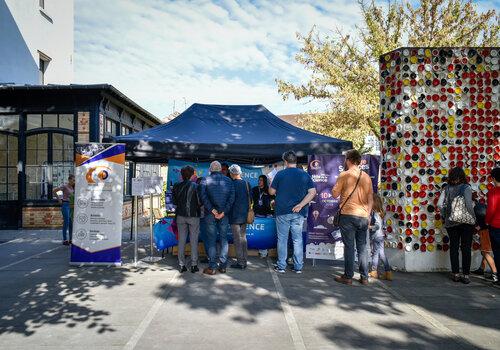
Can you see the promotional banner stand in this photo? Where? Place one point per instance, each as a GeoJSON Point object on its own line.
{"type": "Point", "coordinates": [99, 172]}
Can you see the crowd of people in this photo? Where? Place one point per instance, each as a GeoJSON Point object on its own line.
{"type": "Point", "coordinates": [223, 201]}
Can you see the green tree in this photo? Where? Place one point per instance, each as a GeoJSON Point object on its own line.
{"type": "Point", "coordinates": [344, 68]}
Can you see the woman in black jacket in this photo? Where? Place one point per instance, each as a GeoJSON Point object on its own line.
{"type": "Point", "coordinates": [261, 198]}
{"type": "Point", "coordinates": [262, 203]}
{"type": "Point", "coordinates": [460, 232]}
{"type": "Point", "coordinates": [185, 197]}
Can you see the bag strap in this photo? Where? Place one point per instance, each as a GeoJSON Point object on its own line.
{"type": "Point", "coordinates": [249, 197]}
{"type": "Point", "coordinates": [354, 189]}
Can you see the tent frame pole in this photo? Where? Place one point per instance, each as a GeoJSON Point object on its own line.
{"type": "Point", "coordinates": [151, 219]}
{"type": "Point", "coordinates": [134, 204]}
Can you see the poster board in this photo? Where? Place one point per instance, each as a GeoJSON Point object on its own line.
{"type": "Point", "coordinates": [97, 219]}
{"type": "Point", "coordinates": [324, 240]}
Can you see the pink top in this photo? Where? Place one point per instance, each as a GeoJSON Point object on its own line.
{"type": "Point", "coordinates": [67, 191]}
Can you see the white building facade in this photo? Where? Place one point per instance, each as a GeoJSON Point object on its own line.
{"type": "Point", "coordinates": [36, 41]}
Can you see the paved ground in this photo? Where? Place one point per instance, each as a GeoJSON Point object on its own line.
{"type": "Point", "coordinates": [46, 304]}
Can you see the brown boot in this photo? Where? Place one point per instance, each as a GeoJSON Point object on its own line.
{"type": "Point", "coordinates": [209, 271]}
{"type": "Point", "coordinates": [373, 274]}
{"type": "Point", "coordinates": [343, 279]}
{"type": "Point", "coordinates": [388, 275]}
{"type": "Point", "coordinates": [222, 269]}
{"type": "Point", "coordinates": [363, 281]}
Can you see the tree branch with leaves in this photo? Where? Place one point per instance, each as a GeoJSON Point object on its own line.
{"type": "Point", "coordinates": [344, 69]}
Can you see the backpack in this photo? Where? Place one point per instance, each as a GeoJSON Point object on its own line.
{"type": "Point", "coordinates": [458, 212]}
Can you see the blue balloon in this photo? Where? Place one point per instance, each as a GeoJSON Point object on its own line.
{"type": "Point", "coordinates": [164, 234]}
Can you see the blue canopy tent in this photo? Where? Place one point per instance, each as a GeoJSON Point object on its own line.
{"type": "Point", "coordinates": [246, 134]}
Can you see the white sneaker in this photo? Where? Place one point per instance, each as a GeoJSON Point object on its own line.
{"type": "Point", "coordinates": [278, 270]}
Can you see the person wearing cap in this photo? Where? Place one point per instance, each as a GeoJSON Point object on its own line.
{"type": "Point", "coordinates": [460, 233]}
{"type": "Point", "coordinates": [217, 196]}
{"type": "Point", "coordinates": [354, 187]}
{"type": "Point", "coordinates": [294, 189]}
{"type": "Point", "coordinates": [187, 211]}
{"type": "Point", "coordinates": [238, 216]}
{"type": "Point", "coordinates": [493, 217]}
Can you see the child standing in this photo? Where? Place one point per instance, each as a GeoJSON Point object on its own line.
{"type": "Point", "coordinates": [377, 238]}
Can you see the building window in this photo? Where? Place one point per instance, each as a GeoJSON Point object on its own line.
{"type": "Point", "coordinates": [37, 167]}
{"type": "Point", "coordinates": [9, 126]}
{"type": "Point", "coordinates": [62, 158]}
{"type": "Point", "coordinates": [9, 123]}
{"type": "Point", "coordinates": [42, 67]}
{"type": "Point", "coordinates": [60, 121]}
{"type": "Point", "coordinates": [111, 127]}
{"type": "Point", "coordinates": [43, 63]}
{"type": "Point", "coordinates": [126, 130]}
{"type": "Point", "coordinates": [49, 153]}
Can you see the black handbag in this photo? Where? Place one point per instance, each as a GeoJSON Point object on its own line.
{"type": "Point", "coordinates": [336, 218]}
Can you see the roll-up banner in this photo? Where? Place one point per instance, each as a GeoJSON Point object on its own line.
{"type": "Point", "coordinates": [323, 238]}
{"type": "Point", "coordinates": [97, 220]}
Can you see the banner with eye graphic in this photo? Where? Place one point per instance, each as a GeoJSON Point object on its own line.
{"type": "Point", "coordinates": [97, 218]}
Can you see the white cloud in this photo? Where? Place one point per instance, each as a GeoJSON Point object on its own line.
{"type": "Point", "coordinates": [223, 52]}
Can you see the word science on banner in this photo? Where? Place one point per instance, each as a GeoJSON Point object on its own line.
{"type": "Point", "coordinates": [97, 222]}
{"type": "Point", "coordinates": [324, 240]}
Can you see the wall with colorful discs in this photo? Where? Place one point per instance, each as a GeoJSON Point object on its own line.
{"type": "Point", "coordinates": [439, 108]}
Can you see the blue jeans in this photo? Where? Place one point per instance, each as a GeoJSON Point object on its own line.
{"type": "Point", "coordinates": [354, 230]}
{"type": "Point", "coordinates": [217, 230]}
{"type": "Point", "coordinates": [378, 253]}
{"type": "Point", "coordinates": [284, 225]}
{"type": "Point", "coordinates": [67, 222]}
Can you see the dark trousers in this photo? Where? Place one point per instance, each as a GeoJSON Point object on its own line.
{"type": "Point", "coordinates": [354, 230]}
{"type": "Point", "coordinates": [460, 237]}
{"type": "Point", "coordinates": [495, 246]}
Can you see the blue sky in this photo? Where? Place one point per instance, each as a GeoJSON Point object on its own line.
{"type": "Point", "coordinates": [226, 52]}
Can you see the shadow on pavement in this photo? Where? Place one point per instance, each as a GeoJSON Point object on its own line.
{"type": "Point", "coordinates": [47, 291]}
{"type": "Point", "coordinates": [410, 336]}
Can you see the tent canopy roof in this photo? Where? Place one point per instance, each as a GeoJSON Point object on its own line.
{"type": "Point", "coordinates": [244, 133]}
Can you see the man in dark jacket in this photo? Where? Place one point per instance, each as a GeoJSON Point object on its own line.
{"type": "Point", "coordinates": [185, 197]}
{"type": "Point", "coordinates": [238, 216]}
{"type": "Point", "coordinates": [217, 196]}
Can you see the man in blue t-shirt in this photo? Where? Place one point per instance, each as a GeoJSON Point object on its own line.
{"type": "Point", "coordinates": [294, 189]}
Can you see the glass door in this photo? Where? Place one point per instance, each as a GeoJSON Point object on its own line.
{"type": "Point", "coordinates": [10, 211]}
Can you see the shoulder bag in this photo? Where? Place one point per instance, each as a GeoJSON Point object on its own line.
{"type": "Point", "coordinates": [336, 218]}
{"type": "Point", "coordinates": [251, 213]}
